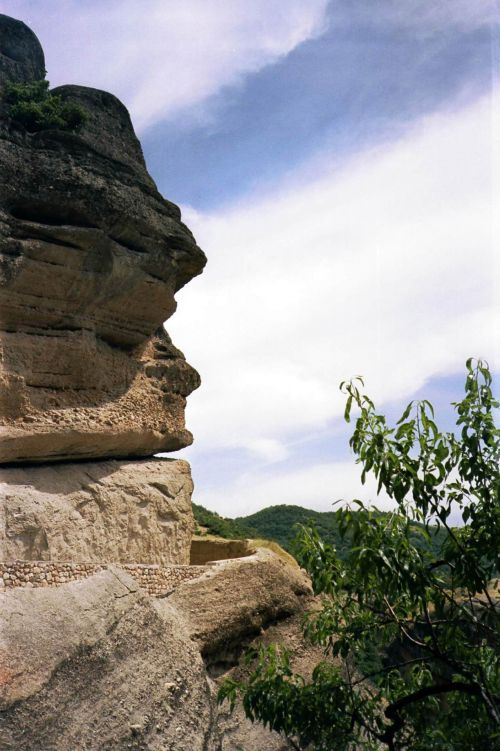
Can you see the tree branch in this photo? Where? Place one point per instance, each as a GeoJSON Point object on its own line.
{"type": "Point", "coordinates": [392, 712]}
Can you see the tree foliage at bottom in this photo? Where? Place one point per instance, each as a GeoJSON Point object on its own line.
{"type": "Point", "coordinates": [410, 634]}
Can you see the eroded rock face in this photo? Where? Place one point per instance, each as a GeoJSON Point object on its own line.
{"type": "Point", "coordinates": [21, 55]}
{"type": "Point", "coordinates": [97, 512]}
{"type": "Point", "coordinates": [98, 665]}
{"type": "Point", "coordinates": [91, 256]}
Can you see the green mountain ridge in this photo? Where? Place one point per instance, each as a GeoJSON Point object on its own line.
{"type": "Point", "coordinates": [278, 523]}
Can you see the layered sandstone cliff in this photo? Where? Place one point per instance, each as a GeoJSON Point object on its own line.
{"type": "Point", "coordinates": [91, 257]}
{"type": "Point", "coordinates": [92, 525]}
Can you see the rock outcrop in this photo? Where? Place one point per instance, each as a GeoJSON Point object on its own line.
{"type": "Point", "coordinates": [110, 511]}
{"type": "Point", "coordinates": [98, 665]}
{"type": "Point", "coordinates": [91, 257]}
{"type": "Point", "coordinates": [109, 639]}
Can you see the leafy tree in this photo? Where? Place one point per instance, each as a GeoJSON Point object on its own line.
{"type": "Point", "coordinates": [33, 106]}
{"type": "Point", "coordinates": [434, 618]}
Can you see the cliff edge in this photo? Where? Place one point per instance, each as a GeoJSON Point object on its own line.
{"type": "Point", "coordinates": [91, 256]}
{"type": "Point", "coordinates": [109, 639]}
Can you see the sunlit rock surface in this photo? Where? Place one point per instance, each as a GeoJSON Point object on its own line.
{"type": "Point", "coordinates": [97, 512]}
{"type": "Point", "coordinates": [91, 257]}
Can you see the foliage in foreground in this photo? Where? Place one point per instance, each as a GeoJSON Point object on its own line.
{"type": "Point", "coordinates": [436, 616]}
{"type": "Point", "coordinates": [33, 106]}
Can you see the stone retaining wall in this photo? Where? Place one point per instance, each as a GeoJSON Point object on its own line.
{"type": "Point", "coordinates": [154, 579]}
{"type": "Point", "coordinates": [207, 549]}
{"type": "Point", "coordinates": [160, 580]}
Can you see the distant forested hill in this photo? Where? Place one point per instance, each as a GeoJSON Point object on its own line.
{"type": "Point", "coordinates": [278, 523]}
{"type": "Point", "coordinates": [214, 524]}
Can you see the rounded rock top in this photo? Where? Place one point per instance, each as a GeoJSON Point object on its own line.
{"type": "Point", "coordinates": [21, 54]}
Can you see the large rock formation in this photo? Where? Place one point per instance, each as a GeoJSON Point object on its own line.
{"type": "Point", "coordinates": [110, 511]}
{"type": "Point", "coordinates": [91, 256]}
{"type": "Point", "coordinates": [97, 665]}
{"type": "Point", "coordinates": [21, 54]}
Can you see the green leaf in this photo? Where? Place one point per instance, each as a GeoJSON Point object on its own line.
{"type": "Point", "coordinates": [410, 611]}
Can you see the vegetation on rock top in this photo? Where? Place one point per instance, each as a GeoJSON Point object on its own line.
{"type": "Point", "coordinates": [33, 106]}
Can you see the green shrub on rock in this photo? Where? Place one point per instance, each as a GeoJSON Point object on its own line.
{"type": "Point", "coordinates": [32, 105]}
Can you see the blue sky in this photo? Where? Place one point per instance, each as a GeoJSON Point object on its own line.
{"type": "Point", "coordinates": [337, 163]}
{"type": "Point", "coordinates": [336, 93]}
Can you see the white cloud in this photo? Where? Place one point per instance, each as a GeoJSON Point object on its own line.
{"type": "Point", "coordinates": [439, 16]}
{"type": "Point", "coordinates": [165, 56]}
{"type": "Point", "coordinates": [268, 449]}
{"type": "Point", "coordinates": [318, 486]}
{"type": "Point", "coordinates": [321, 486]}
{"type": "Point", "coordinates": [387, 268]}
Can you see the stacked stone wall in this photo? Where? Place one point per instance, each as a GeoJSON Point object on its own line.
{"type": "Point", "coordinates": [43, 573]}
{"type": "Point", "coordinates": [155, 580]}
{"type": "Point", "coordinates": [160, 580]}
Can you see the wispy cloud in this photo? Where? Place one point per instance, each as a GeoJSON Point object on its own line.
{"type": "Point", "coordinates": [166, 57]}
{"type": "Point", "coordinates": [162, 57]}
{"type": "Point", "coordinates": [426, 16]}
{"type": "Point", "coordinates": [386, 268]}
{"type": "Point", "coordinates": [316, 486]}
{"type": "Point", "coordinates": [321, 486]}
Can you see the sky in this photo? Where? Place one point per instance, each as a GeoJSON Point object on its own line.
{"type": "Point", "coordinates": [337, 162]}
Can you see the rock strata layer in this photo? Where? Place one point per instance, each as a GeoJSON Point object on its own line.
{"type": "Point", "coordinates": [97, 512]}
{"type": "Point", "coordinates": [91, 257]}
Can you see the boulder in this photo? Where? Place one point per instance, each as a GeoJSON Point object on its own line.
{"type": "Point", "coordinates": [97, 665]}
{"type": "Point", "coordinates": [97, 512]}
{"type": "Point", "coordinates": [231, 603]}
{"type": "Point", "coordinates": [91, 256]}
{"type": "Point", "coordinates": [21, 54]}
